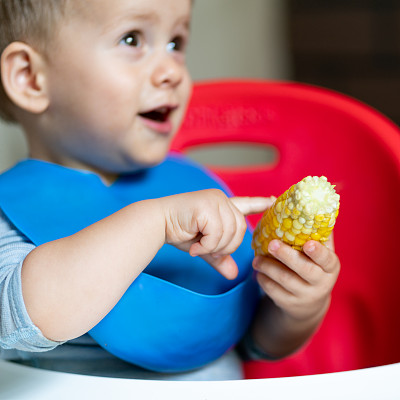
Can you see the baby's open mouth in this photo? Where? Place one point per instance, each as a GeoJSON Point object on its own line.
{"type": "Point", "coordinates": [159, 114]}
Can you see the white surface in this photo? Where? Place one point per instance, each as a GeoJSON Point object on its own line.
{"type": "Point", "coordinates": [24, 383]}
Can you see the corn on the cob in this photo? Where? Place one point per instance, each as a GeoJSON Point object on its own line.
{"type": "Point", "coordinates": [307, 210]}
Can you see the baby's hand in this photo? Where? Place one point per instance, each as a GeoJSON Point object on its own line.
{"type": "Point", "coordinates": [299, 284]}
{"type": "Point", "coordinates": [210, 225]}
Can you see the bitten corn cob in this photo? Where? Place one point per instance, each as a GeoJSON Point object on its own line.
{"type": "Point", "coordinates": [307, 210]}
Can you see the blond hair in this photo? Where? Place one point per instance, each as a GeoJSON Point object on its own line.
{"type": "Point", "coordinates": [30, 21]}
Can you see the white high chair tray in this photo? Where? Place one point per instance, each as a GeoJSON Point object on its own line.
{"type": "Point", "coordinates": [23, 383]}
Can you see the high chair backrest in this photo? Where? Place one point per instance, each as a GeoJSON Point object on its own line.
{"type": "Point", "coordinates": [316, 131]}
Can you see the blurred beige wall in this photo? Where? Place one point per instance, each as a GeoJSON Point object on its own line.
{"type": "Point", "coordinates": [12, 145]}
{"type": "Point", "coordinates": [230, 38]}
{"type": "Point", "coordinates": [237, 38]}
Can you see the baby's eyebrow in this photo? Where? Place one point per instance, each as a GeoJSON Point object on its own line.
{"type": "Point", "coordinates": [148, 17]}
{"type": "Point", "coordinates": [132, 16]}
{"type": "Point", "coordinates": [185, 21]}
{"type": "Point", "coordinates": [143, 16]}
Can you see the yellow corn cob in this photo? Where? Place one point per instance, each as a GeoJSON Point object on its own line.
{"type": "Point", "coordinates": [307, 210]}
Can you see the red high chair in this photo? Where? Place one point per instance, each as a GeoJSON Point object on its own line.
{"type": "Point", "coordinates": [319, 132]}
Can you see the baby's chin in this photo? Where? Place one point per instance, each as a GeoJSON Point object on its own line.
{"type": "Point", "coordinates": [138, 166]}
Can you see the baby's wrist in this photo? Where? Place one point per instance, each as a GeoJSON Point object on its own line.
{"type": "Point", "coordinates": [307, 321]}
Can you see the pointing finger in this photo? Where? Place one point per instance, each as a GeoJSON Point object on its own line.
{"type": "Point", "coordinates": [225, 265]}
{"type": "Point", "coordinates": [252, 205]}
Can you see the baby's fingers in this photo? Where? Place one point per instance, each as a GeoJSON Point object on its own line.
{"type": "Point", "coordinates": [322, 256]}
{"type": "Point", "coordinates": [225, 265]}
{"type": "Point", "coordinates": [298, 262]}
{"type": "Point", "coordinates": [252, 205]}
{"type": "Point", "coordinates": [279, 274]}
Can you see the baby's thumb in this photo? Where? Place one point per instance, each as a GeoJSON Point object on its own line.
{"type": "Point", "coordinates": [252, 205]}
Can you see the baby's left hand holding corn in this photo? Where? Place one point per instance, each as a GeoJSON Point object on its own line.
{"type": "Point", "coordinates": [295, 268]}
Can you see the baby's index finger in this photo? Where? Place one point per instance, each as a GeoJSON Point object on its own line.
{"type": "Point", "coordinates": [225, 265]}
{"type": "Point", "coordinates": [321, 255]}
{"type": "Point", "coordinates": [252, 205]}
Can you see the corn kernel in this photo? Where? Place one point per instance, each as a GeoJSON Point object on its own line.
{"type": "Point", "coordinates": [289, 236]}
{"type": "Point", "coordinates": [298, 241]}
{"type": "Point", "coordinates": [315, 236]}
{"type": "Point", "coordinates": [297, 225]}
{"type": "Point", "coordinates": [287, 223]}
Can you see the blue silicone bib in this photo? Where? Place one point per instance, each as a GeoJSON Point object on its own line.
{"type": "Point", "coordinates": [179, 314]}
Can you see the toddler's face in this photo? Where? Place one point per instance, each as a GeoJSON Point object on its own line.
{"type": "Point", "coordinates": [118, 84]}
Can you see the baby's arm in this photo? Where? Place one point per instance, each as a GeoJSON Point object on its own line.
{"type": "Point", "coordinates": [299, 288]}
{"type": "Point", "coordinates": [16, 328]}
{"type": "Point", "coordinates": [70, 284]}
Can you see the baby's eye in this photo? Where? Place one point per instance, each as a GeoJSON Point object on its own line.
{"type": "Point", "coordinates": [176, 44]}
{"type": "Point", "coordinates": [132, 39]}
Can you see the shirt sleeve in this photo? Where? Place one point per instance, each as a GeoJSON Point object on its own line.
{"type": "Point", "coordinates": [17, 331]}
{"type": "Point", "coordinates": [249, 351]}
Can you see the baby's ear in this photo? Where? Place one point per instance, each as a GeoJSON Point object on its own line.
{"type": "Point", "coordinates": [23, 76]}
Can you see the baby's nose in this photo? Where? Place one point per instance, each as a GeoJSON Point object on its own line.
{"type": "Point", "coordinates": [168, 71]}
